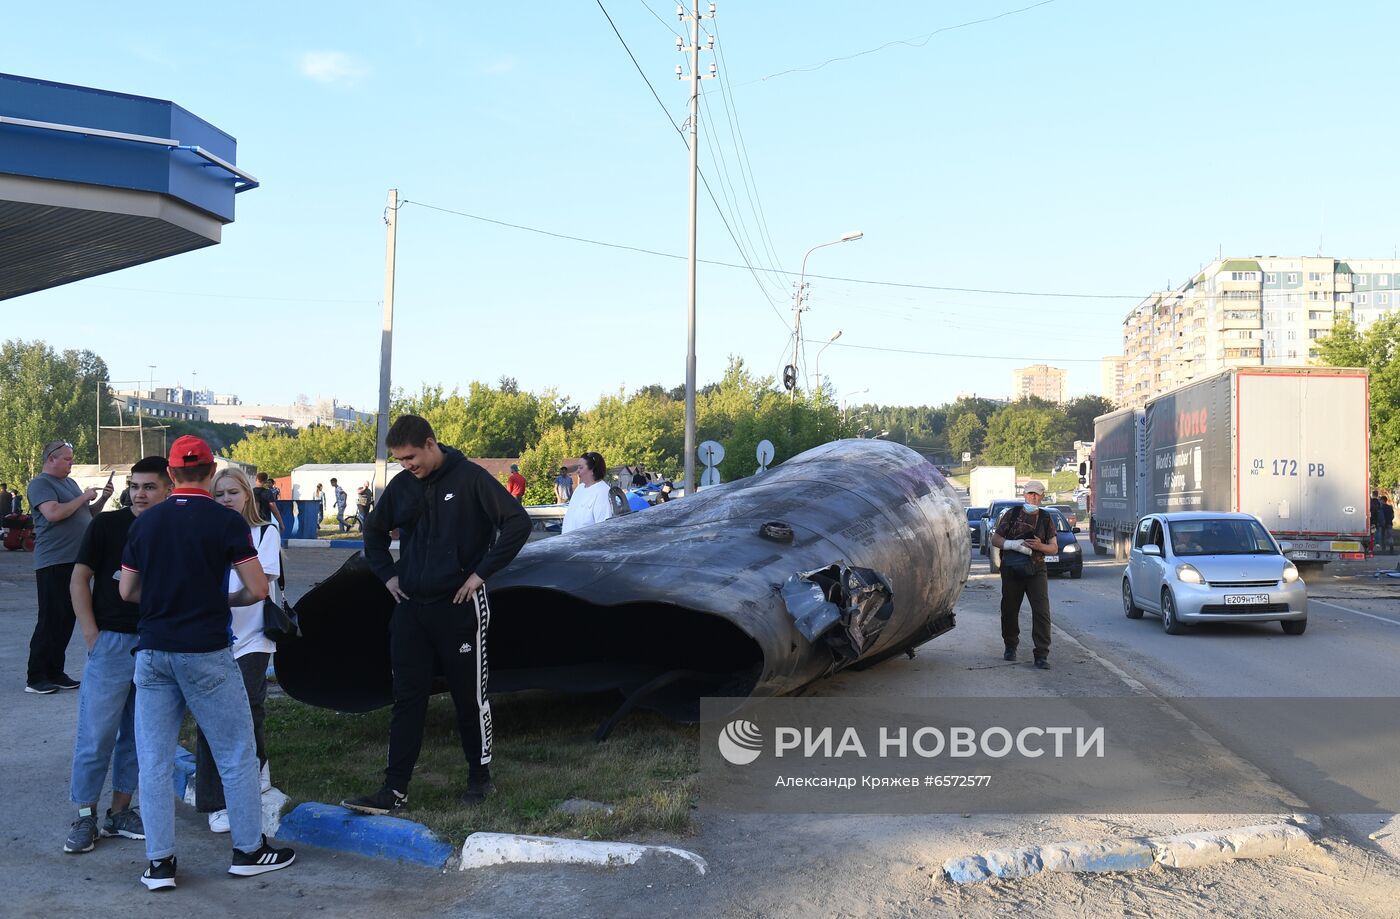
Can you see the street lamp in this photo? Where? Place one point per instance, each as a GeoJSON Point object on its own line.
{"type": "Point", "coordinates": [797, 295]}
{"type": "Point", "coordinates": [857, 392]}
{"type": "Point", "coordinates": [819, 359]}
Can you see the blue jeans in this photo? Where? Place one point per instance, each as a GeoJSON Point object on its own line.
{"type": "Point", "coordinates": [212, 687]}
{"type": "Point", "coordinates": [106, 720]}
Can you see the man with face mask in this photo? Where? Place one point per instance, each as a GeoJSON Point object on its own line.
{"type": "Point", "coordinates": [1027, 532]}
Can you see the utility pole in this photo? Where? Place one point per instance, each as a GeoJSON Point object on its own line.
{"type": "Point", "coordinates": [695, 78]}
{"type": "Point", "coordinates": [386, 349]}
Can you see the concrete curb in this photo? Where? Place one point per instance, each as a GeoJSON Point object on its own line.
{"type": "Point", "coordinates": [1189, 850]}
{"type": "Point", "coordinates": [333, 827]}
{"type": "Point", "coordinates": [485, 849]}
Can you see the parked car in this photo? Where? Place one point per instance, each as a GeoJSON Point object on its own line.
{"type": "Point", "coordinates": [1071, 512]}
{"type": "Point", "coordinates": [1193, 567]}
{"type": "Point", "coordinates": [1069, 560]}
{"type": "Point", "coordinates": [974, 524]}
{"type": "Point", "coordinates": [988, 523]}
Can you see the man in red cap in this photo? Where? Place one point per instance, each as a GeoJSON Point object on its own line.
{"type": "Point", "coordinates": [175, 567]}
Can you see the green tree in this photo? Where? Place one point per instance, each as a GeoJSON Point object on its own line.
{"type": "Point", "coordinates": [540, 464]}
{"type": "Point", "coordinates": [278, 452]}
{"type": "Point", "coordinates": [1377, 349]}
{"type": "Point", "coordinates": [966, 434]}
{"type": "Point", "coordinates": [1080, 414]}
{"type": "Point", "coordinates": [1025, 435]}
{"type": "Point", "coordinates": [489, 421]}
{"type": "Point", "coordinates": [46, 395]}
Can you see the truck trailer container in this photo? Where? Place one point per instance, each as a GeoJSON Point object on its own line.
{"type": "Point", "coordinates": [1290, 445]}
{"type": "Point", "coordinates": [991, 483]}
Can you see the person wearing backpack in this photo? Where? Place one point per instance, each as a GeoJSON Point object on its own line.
{"type": "Point", "coordinates": [251, 648]}
{"type": "Point", "coordinates": [1025, 536]}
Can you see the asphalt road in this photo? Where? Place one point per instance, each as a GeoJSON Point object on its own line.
{"type": "Point", "coordinates": [765, 865]}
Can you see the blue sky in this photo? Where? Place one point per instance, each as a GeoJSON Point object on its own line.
{"type": "Point", "coordinates": [1078, 146]}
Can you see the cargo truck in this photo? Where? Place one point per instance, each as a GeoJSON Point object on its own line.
{"type": "Point", "coordinates": [986, 484]}
{"type": "Point", "coordinates": [1290, 445]}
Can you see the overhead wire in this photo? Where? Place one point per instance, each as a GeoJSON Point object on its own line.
{"type": "Point", "coordinates": [918, 42]}
{"type": "Point", "coordinates": [748, 267]}
{"type": "Point", "coordinates": [704, 181]}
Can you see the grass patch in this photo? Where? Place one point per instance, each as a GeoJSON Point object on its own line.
{"type": "Point", "coordinates": [544, 754]}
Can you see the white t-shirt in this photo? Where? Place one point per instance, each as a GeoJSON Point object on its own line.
{"type": "Point", "coordinates": [248, 634]}
{"type": "Point", "coordinates": [588, 506]}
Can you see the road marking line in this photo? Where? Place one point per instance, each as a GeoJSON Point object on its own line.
{"type": "Point", "coordinates": [1357, 612]}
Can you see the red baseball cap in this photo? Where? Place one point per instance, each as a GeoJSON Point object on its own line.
{"type": "Point", "coordinates": [190, 451]}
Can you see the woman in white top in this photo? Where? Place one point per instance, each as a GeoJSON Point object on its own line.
{"type": "Point", "coordinates": [590, 502]}
{"type": "Point", "coordinates": [251, 649]}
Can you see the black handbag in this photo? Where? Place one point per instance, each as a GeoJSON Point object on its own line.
{"type": "Point", "coordinates": [279, 621]}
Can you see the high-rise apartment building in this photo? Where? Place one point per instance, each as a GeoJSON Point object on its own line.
{"type": "Point", "coordinates": [1249, 312]}
{"type": "Point", "coordinates": [1040, 380]}
{"type": "Point", "coordinates": [1113, 370]}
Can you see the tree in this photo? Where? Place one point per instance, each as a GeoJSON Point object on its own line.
{"type": "Point", "coordinates": [1377, 349]}
{"type": "Point", "coordinates": [1080, 414]}
{"type": "Point", "coordinates": [966, 434]}
{"type": "Point", "coordinates": [1025, 435]}
{"type": "Point", "coordinates": [46, 395]}
{"type": "Point", "coordinates": [278, 452]}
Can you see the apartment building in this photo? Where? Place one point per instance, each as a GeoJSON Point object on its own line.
{"type": "Point", "coordinates": [1113, 371]}
{"type": "Point", "coordinates": [1248, 312]}
{"type": "Point", "coordinates": [1040, 380]}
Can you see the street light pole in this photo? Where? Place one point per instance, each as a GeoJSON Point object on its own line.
{"type": "Point", "coordinates": [386, 347]}
{"type": "Point", "coordinates": [797, 297]}
{"type": "Point", "coordinates": [818, 373]}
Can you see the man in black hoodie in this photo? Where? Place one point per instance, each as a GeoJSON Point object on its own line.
{"type": "Point", "coordinates": [457, 527]}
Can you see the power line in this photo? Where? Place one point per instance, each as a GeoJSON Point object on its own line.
{"type": "Point", "coordinates": [911, 42]}
{"type": "Point", "coordinates": [989, 357]}
{"type": "Point", "coordinates": [705, 181]}
{"type": "Point", "coordinates": [749, 267]}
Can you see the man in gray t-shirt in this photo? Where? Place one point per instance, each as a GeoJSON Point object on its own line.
{"type": "Point", "coordinates": [62, 512]}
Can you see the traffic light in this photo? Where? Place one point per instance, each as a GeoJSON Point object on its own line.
{"type": "Point", "coordinates": [789, 377]}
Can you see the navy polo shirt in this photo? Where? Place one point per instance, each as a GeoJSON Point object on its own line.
{"type": "Point", "coordinates": [183, 548]}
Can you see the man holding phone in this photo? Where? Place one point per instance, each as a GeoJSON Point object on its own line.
{"type": "Point", "coordinates": [62, 512]}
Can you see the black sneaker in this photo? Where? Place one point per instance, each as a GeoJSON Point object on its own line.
{"type": "Point", "coordinates": [83, 836]}
{"type": "Point", "coordinates": [264, 859]}
{"type": "Point", "coordinates": [383, 801]}
{"type": "Point", "coordinates": [124, 823]}
{"type": "Point", "coordinates": [1009, 654]}
{"type": "Point", "coordinates": [1042, 663]}
{"type": "Point", "coordinates": [478, 787]}
{"type": "Point", "coordinates": [64, 681]}
{"type": "Point", "coordinates": [160, 874]}
{"type": "Point", "coordinates": [41, 688]}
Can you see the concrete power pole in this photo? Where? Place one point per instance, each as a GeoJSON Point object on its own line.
{"type": "Point", "coordinates": [386, 349]}
{"type": "Point", "coordinates": [695, 78]}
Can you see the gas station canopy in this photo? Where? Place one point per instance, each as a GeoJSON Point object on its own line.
{"type": "Point", "coordinates": [93, 181]}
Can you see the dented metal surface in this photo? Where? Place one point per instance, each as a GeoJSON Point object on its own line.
{"type": "Point", "coordinates": [686, 598]}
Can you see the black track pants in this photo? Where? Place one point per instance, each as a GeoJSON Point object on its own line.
{"type": "Point", "coordinates": [1035, 588]}
{"type": "Point", "coordinates": [450, 638]}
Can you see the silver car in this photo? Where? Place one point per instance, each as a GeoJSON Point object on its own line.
{"type": "Point", "coordinates": [1204, 567]}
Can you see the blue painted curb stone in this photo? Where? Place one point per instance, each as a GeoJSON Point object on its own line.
{"type": "Point", "coordinates": [184, 772]}
{"type": "Point", "coordinates": [334, 827]}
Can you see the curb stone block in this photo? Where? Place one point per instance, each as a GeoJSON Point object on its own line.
{"type": "Point", "coordinates": [334, 827]}
{"type": "Point", "coordinates": [1192, 850]}
{"type": "Point", "coordinates": [1097, 857]}
{"type": "Point", "coordinates": [485, 849]}
{"type": "Point", "coordinates": [1189, 850]}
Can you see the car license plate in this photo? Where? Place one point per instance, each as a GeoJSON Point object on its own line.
{"type": "Point", "coordinates": [1302, 555]}
{"type": "Point", "coordinates": [1245, 599]}
{"type": "Point", "coordinates": [1052, 558]}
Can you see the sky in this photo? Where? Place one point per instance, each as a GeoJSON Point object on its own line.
{"type": "Point", "coordinates": [1088, 147]}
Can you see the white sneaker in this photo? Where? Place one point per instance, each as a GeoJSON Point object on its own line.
{"type": "Point", "coordinates": [265, 778]}
{"type": "Point", "coordinates": [218, 822]}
